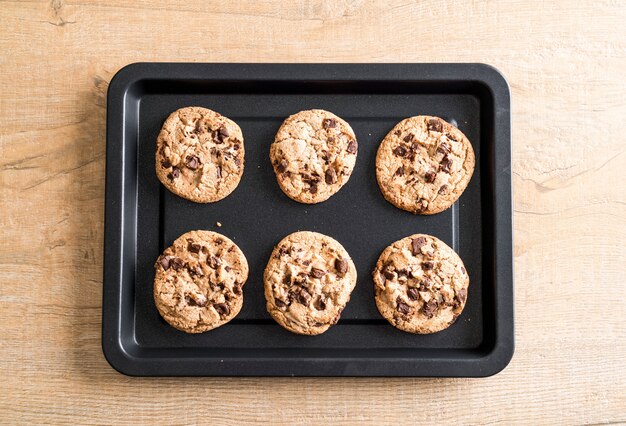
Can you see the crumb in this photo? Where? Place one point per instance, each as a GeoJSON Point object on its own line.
{"type": "Point", "coordinates": [218, 224]}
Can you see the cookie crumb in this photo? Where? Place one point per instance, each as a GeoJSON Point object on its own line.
{"type": "Point", "coordinates": [218, 224]}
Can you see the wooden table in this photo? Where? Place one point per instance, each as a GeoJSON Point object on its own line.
{"type": "Point", "coordinates": [566, 64]}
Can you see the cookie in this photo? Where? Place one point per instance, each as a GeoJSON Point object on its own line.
{"type": "Point", "coordinates": [313, 155]}
{"type": "Point", "coordinates": [308, 281]}
{"type": "Point", "coordinates": [424, 164]}
{"type": "Point", "coordinates": [420, 284]}
{"type": "Point", "coordinates": [199, 154]}
{"type": "Point", "coordinates": [199, 280]}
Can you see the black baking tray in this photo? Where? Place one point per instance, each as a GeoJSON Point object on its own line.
{"type": "Point", "coordinates": [142, 218]}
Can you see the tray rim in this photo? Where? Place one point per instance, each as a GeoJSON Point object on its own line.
{"type": "Point", "coordinates": [488, 363]}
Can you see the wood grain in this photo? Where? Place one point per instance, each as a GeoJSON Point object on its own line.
{"type": "Point", "coordinates": [565, 62]}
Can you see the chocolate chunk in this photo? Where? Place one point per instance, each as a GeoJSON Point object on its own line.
{"type": "Point", "coordinates": [397, 133]}
{"type": "Point", "coordinates": [176, 263]}
{"type": "Point", "coordinates": [306, 262]}
{"type": "Point", "coordinates": [325, 156]}
{"type": "Point", "coordinates": [222, 308]}
{"type": "Point", "coordinates": [282, 166]}
{"type": "Point", "coordinates": [417, 244]}
{"type": "Point", "coordinates": [421, 205]}
{"type": "Point", "coordinates": [165, 262]}
{"type": "Point", "coordinates": [402, 307]}
{"type": "Point", "coordinates": [425, 285]}
{"type": "Point", "coordinates": [451, 137]}
{"type": "Point", "coordinates": [341, 266]}
{"type": "Point", "coordinates": [330, 140]}
{"type": "Point", "coordinates": [443, 148]}
{"type": "Point", "coordinates": [236, 146]}
{"type": "Point", "coordinates": [238, 162]}
{"type": "Point", "coordinates": [213, 262]}
{"type": "Point", "coordinates": [317, 273]}
{"type": "Point", "coordinates": [194, 299]}
{"type": "Point", "coordinates": [461, 295]}
{"type": "Point", "coordinates": [435, 124]}
{"type": "Point", "coordinates": [301, 296]}
{"type": "Point", "coordinates": [223, 131]}
{"type": "Point", "coordinates": [174, 174]}
{"type": "Point", "coordinates": [402, 273]}
{"type": "Point", "coordinates": [279, 303]}
{"type": "Point", "coordinates": [313, 188]}
{"type": "Point", "coordinates": [287, 278]}
{"type": "Point", "coordinates": [445, 164]}
{"type": "Point", "coordinates": [443, 189]}
{"type": "Point", "coordinates": [218, 172]}
{"type": "Point", "coordinates": [400, 151]}
{"type": "Point", "coordinates": [388, 273]}
{"type": "Point", "coordinates": [166, 163]}
{"type": "Point", "coordinates": [194, 247]}
{"type": "Point", "coordinates": [428, 265]}
{"type": "Point", "coordinates": [430, 176]}
{"type": "Point", "coordinates": [408, 138]}
{"type": "Point", "coordinates": [400, 171]}
{"type": "Point", "coordinates": [412, 293]}
{"type": "Point", "coordinates": [463, 270]}
{"type": "Point", "coordinates": [196, 270]}
{"type": "Point", "coordinates": [352, 147]}
{"type": "Point", "coordinates": [320, 303]}
{"type": "Point", "coordinates": [329, 123]}
{"type": "Point", "coordinates": [237, 288]}
{"type": "Point", "coordinates": [192, 162]}
{"type": "Point", "coordinates": [331, 176]}
{"type": "Point", "coordinates": [429, 308]}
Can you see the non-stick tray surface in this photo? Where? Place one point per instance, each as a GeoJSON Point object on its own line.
{"type": "Point", "coordinates": [142, 218]}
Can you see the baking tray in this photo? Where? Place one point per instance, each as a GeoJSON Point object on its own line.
{"type": "Point", "coordinates": [142, 218]}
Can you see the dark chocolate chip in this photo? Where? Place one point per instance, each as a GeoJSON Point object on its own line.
{"type": "Point", "coordinates": [397, 133]}
{"type": "Point", "coordinates": [463, 270]}
{"type": "Point", "coordinates": [313, 189]}
{"type": "Point", "coordinates": [196, 270]}
{"type": "Point", "coordinates": [237, 288]}
{"type": "Point", "coordinates": [194, 247]}
{"type": "Point", "coordinates": [401, 306]}
{"type": "Point", "coordinates": [341, 266]}
{"type": "Point", "coordinates": [443, 189]}
{"type": "Point", "coordinates": [452, 137]}
{"type": "Point", "coordinates": [222, 308]}
{"type": "Point", "coordinates": [388, 273]}
{"type": "Point", "coordinates": [429, 308]}
{"type": "Point", "coordinates": [282, 166]}
{"type": "Point", "coordinates": [329, 123]}
{"type": "Point", "coordinates": [196, 300]}
{"type": "Point", "coordinates": [213, 262]}
{"type": "Point", "coordinates": [400, 171]}
{"type": "Point", "coordinates": [320, 303]}
{"type": "Point", "coordinates": [445, 164]}
{"type": "Point", "coordinates": [352, 147]}
{"type": "Point", "coordinates": [236, 146]}
{"type": "Point", "coordinates": [166, 163]}
{"type": "Point", "coordinates": [165, 262]}
{"type": "Point", "coordinates": [176, 263]}
{"type": "Point", "coordinates": [430, 176]}
{"type": "Point", "coordinates": [461, 295]}
{"type": "Point", "coordinates": [400, 151]}
{"type": "Point", "coordinates": [317, 273]}
{"type": "Point", "coordinates": [417, 244]}
{"type": "Point", "coordinates": [223, 131]}
{"type": "Point", "coordinates": [279, 303]}
{"type": "Point", "coordinates": [421, 205]}
{"type": "Point", "coordinates": [192, 162]}
{"type": "Point", "coordinates": [402, 273]}
{"type": "Point", "coordinates": [238, 162]}
{"type": "Point", "coordinates": [408, 138]}
{"type": "Point", "coordinates": [301, 296]}
{"type": "Point", "coordinates": [218, 172]}
{"type": "Point", "coordinates": [435, 124]}
{"type": "Point", "coordinates": [287, 278]}
{"type": "Point", "coordinates": [331, 176]}
{"type": "Point", "coordinates": [428, 265]}
{"type": "Point", "coordinates": [443, 148]}
{"type": "Point", "coordinates": [412, 293]}
{"type": "Point", "coordinates": [174, 174]}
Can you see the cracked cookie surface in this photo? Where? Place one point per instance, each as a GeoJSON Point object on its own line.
{"type": "Point", "coordinates": [199, 154]}
{"type": "Point", "coordinates": [420, 284]}
{"type": "Point", "coordinates": [424, 164]}
{"type": "Point", "coordinates": [308, 281]}
{"type": "Point", "coordinates": [199, 281]}
{"type": "Point", "coordinates": [313, 155]}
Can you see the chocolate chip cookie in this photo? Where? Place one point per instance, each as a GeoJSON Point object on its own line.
{"type": "Point", "coordinates": [420, 284]}
{"type": "Point", "coordinates": [199, 281]}
{"type": "Point", "coordinates": [308, 281]}
{"type": "Point", "coordinates": [199, 154]}
{"type": "Point", "coordinates": [424, 164]}
{"type": "Point", "coordinates": [313, 155]}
